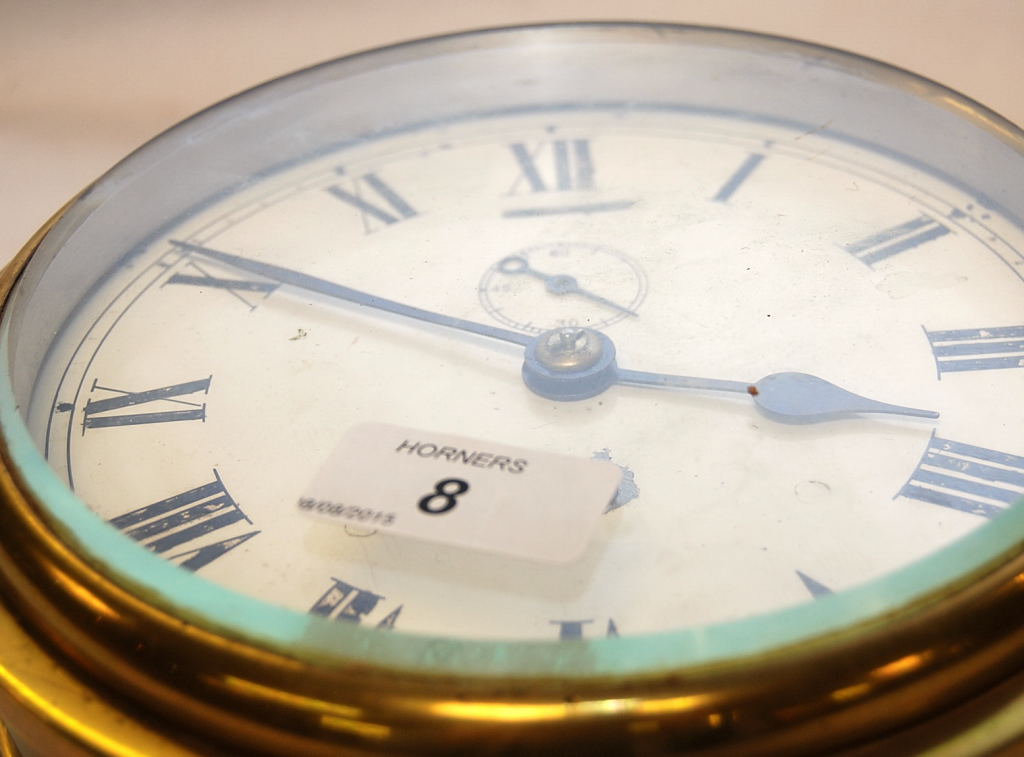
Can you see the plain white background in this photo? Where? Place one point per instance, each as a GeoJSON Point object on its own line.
{"type": "Point", "coordinates": [82, 82]}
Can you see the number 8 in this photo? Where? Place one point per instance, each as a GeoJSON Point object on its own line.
{"type": "Point", "coordinates": [443, 490]}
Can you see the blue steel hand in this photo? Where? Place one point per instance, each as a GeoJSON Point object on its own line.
{"type": "Point", "coordinates": [338, 291]}
{"type": "Point", "coordinates": [560, 283]}
{"type": "Point", "coordinates": [789, 397]}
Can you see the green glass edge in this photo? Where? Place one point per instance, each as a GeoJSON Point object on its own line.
{"type": "Point", "coordinates": [296, 633]}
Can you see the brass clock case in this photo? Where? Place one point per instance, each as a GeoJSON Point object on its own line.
{"type": "Point", "coordinates": [97, 664]}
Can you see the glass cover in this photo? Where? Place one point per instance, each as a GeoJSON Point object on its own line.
{"type": "Point", "coordinates": [777, 287]}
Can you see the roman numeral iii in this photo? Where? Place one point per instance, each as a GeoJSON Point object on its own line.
{"type": "Point", "coordinates": [985, 349]}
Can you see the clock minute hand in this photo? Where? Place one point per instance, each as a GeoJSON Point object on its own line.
{"type": "Point", "coordinates": [310, 283]}
{"type": "Point", "coordinates": [791, 397]}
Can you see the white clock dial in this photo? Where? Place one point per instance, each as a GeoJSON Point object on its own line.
{"type": "Point", "coordinates": [190, 401]}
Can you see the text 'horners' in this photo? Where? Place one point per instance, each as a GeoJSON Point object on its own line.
{"type": "Point", "coordinates": [464, 456]}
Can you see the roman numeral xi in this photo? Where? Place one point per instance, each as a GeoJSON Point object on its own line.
{"type": "Point", "coordinates": [377, 202]}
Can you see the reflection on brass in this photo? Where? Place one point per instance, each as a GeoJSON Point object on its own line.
{"type": "Point", "coordinates": [7, 746]}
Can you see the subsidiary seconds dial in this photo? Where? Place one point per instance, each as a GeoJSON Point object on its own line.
{"type": "Point", "coordinates": [563, 284]}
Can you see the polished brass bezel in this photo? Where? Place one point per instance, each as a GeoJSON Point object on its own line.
{"type": "Point", "coordinates": [89, 667]}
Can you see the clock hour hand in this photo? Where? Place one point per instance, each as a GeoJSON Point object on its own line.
{"type": "Point", "coordinates": [310, 283]}
{"type": "Point", "coordinates": [790, 397]}
{"type": "Point", "coordinates": [557, 283]}
{"type": "Point", "coordinates": [575, 363]}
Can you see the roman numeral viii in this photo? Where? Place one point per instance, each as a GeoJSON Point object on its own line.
{"type": "Point", "coordinates": [100, 413]}
{"type": "Point", "coordinates": [206, 521]}
{"type": "Point", "coordinates": [964, 477]}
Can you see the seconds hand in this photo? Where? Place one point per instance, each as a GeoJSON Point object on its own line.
{"type": "Point", "coordinates": [577, 363]}
{"type": "Point", "coordinates": [560, 283]}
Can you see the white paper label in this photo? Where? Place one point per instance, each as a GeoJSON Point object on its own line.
{"type": "Point", "coordinates": [466, 492]}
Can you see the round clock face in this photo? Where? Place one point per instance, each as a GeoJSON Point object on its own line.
{"type": "Point", "coordinates": [818, 344]}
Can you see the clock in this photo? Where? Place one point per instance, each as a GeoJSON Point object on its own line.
{"type": "Point", "coordinates": [617, 388]}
